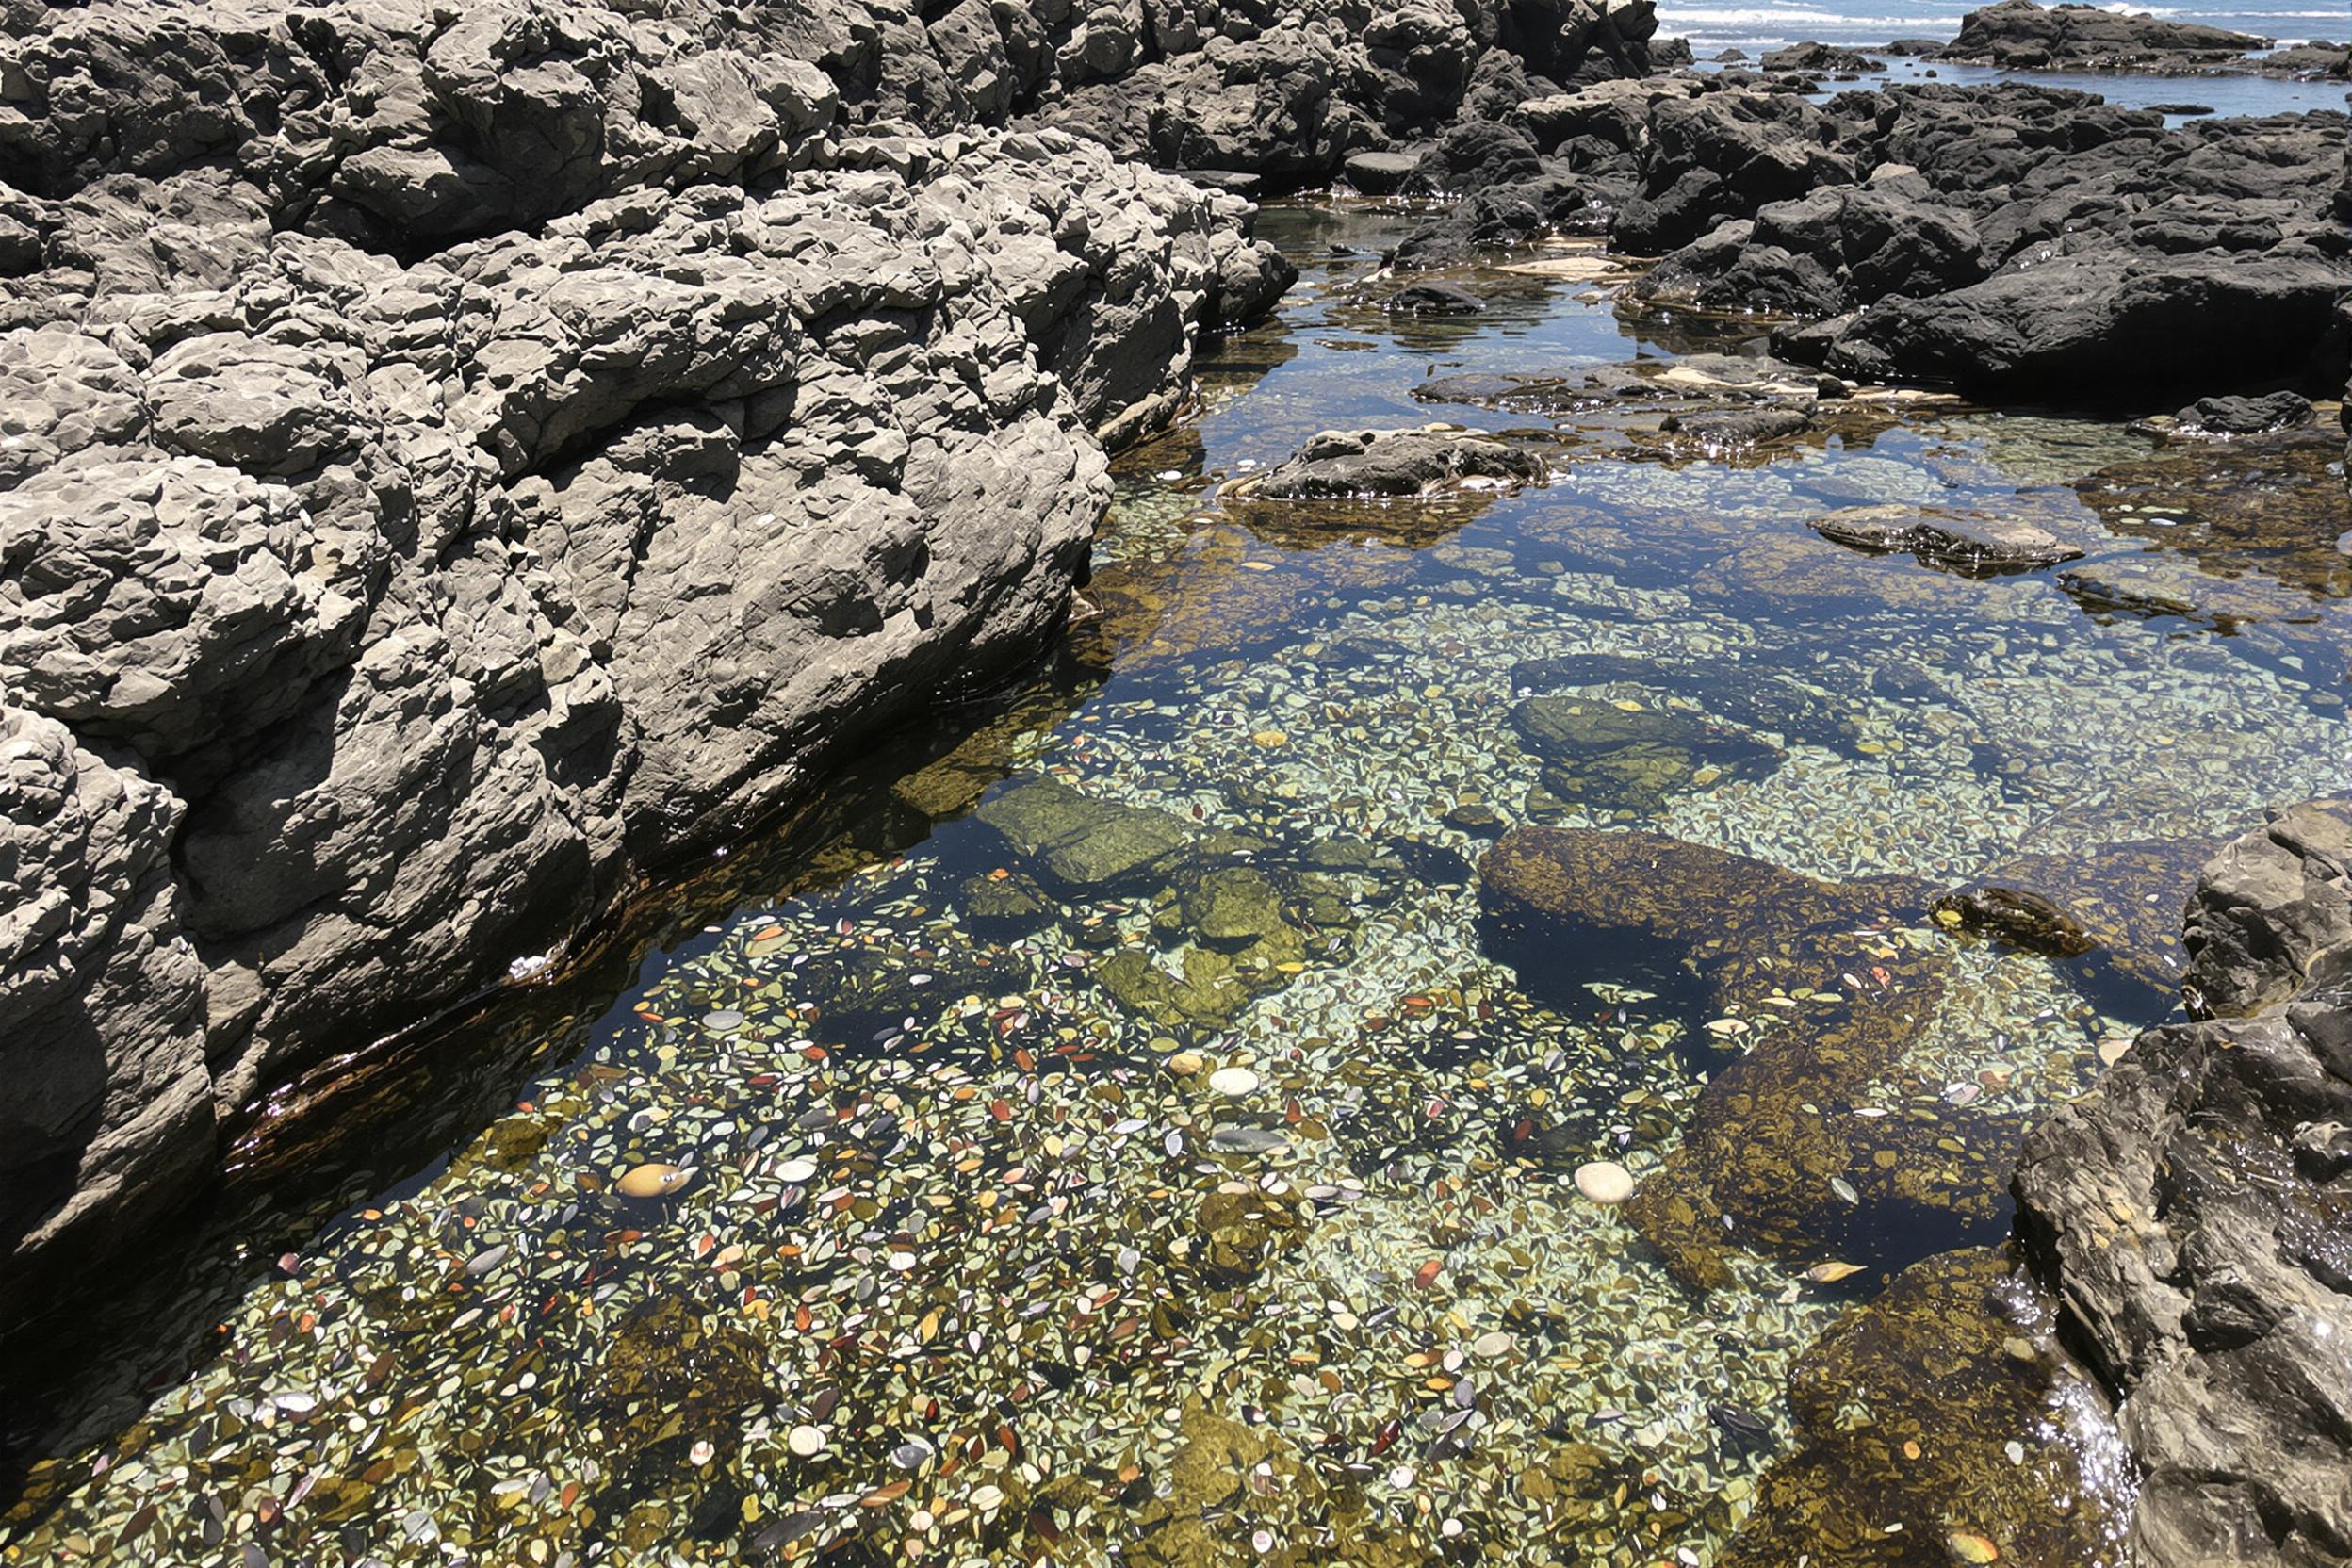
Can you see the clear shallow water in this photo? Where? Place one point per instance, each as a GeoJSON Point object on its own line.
{"type": "Point", "coordinates": [977, 1261]}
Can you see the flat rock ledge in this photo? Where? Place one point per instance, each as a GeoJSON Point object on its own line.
{"type": "Point", "coordinates": [2194, 1215]}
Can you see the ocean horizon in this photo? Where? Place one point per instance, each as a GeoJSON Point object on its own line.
{"type": "Point", "coordinates": [1875, 22]}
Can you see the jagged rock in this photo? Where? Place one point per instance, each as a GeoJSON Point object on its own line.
{"type": "Point", "coordinates": [456, 573]}
{"type": "Point", "coordinates": [2273, 912]}
{"type": "Point", "coordinates": [1343, 465]}
{"type": "Point", "coordinates": [1830, 251]}
{"type": "Point", "coordinates": [109, 1113]}
{"type": "Point", "coordinates": [2192, 1220]}
{"type": "Point", "coordinates": [1819, 59]}
{"type": "Point", "coordinates": [2019, 34]}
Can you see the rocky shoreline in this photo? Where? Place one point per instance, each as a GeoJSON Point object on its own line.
{"type": "Point", "coordinates": [462, 468]}
{"type": "Point", "coordinates": [458, 468]}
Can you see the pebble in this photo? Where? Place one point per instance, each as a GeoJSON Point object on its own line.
{"type": "Point", "coordinates": [988, 1497]}
{"type": "Point", "coordinates": [1234, 1082]}
{"type": "Point", "coordinates": [653, 1181]}
{"type": "Point", "coordinates": [1186, 1063]}
{"type": "Point", "coordinates": [1492, 1344]}
{"type": "Point", "coordinates": [796, 1172]}
{"type": "Point", "coordinates": [1605, 1181]}
{"type": "Point", "coordinates": [806, 1442]}
{"type": "Point", "coordinates": [723, 1021]}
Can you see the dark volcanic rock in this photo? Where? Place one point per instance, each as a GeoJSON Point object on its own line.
{"type": "Point", "coordinates": [1818, 59]}
{"type": "Point", "coordinates": [2105, 324]}
{"type": "Point", "coordinates": [1832, 250]}
{"type": "Point", "coordinates": [2194, 1215]}
{"type": "Point", "coordinates": [1725, 428]}
{"type": "Point", "coordinates": [1345, 464]}
{"type": "Point", "coordinates": [2244, 416]}
{"type": "Point", "coordinates": [2022, 34]}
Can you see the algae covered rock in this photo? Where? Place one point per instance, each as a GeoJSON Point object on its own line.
{"type": "Point", "coordinates": [1081, 840]}
{"type": "Point", "coordinates": [1941, 1424]}
{"type": "Point", "coordinates": [1620, 757]}
{"type": "Point", "coordinates": [1817, 1141]}
{"type": "Point", "coordinates": [2116, 908]}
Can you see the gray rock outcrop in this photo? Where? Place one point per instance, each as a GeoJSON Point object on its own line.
{"type": "Point", "coordinates": [2192, 1214]}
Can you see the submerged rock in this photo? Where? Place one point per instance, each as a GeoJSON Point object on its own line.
{"type": "Point", "coordinates": [1942, 1424]}
{"type": "Point", "coordinates": [1817, 1140]}
{"type": "Point", "coordinates": [1081, 840]}
{"type": "Point", "coordinates": [1621, 757]}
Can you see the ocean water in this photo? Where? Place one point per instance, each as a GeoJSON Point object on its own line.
{"type": "Point", "coordinates": [1872, 24]}
{"type": "Point", "coordinates": [1875, 21]}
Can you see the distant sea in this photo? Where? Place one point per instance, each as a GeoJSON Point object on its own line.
{"type": "Point", "coordinates": [1872, 24]}
{"type": "Point", "coordinates": [1714, 28]}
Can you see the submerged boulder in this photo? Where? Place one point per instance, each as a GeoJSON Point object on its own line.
{"type": "Point", "coordinates": [1615, 755]}
{"type": "Point", "coordinates": [1941, 1423]}
{"type": "Point", "coordinates": [1815, 1142]}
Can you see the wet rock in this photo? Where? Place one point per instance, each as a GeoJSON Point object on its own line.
{"type": "Point", "coordinates": [1612, 758]}
{"type": "Point", "coordinates": [1380, 174]}
{"type": "Point", "coordinates": [1348, 464]}
{"type": "Point", "coordinates": [1730, 429]}
{"type": "Point", "coordinates": [2197, 1248]}
{"type": "Point", "coordinates": [2124, 900]}
{"type": "Point", "coordinates": [2021, 34]}
{"type": "Point", "coordinates": [1082, 841]}
{"type": "Point", "coordinates": [1915, 1410]}
{"type": "Point", "coordinates": [2272, 914]}
{"type": "Point", "coordinates": [2256, 517]}
{"type": "Point", "coordinates": [2022, 919]}
{"type": "Point", "coordinates": [1818, 59]}
{"type": "Point", "coordinates": [2244, 416]}
{"type": "Point", "coordinates": [1435, 299]}
{"type": "Point", "coordinates": [1974, 544]}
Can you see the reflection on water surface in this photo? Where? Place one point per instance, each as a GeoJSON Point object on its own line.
{"type": "Point", "coordinates": [1171, 1160]}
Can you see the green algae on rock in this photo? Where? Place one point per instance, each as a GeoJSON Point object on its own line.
{"type": "Point", "coordinates": [1941, 1423]}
